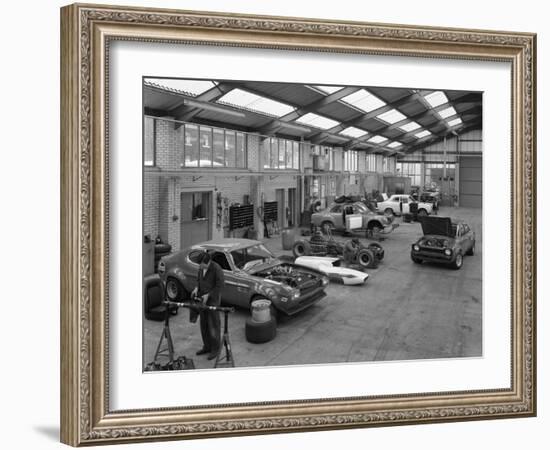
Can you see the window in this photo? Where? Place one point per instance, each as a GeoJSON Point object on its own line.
{"type": "Point", "coordinates": [247, 258]}
{"type": "Point", "coordinates": [191, 146]}
{"type": "Point", "coordinates": [350, 161]}
{"type": "Point", "coordinates": [219, 148]}
{"type": "Point", "coordinates": [196, 256]}
{"type": "Point", "coordinates": [229, 149]}
{"type": "Point", "coordinates": [371, 163]}
{"type": "Point", "coordinates": [336, 209]}
{"type": "Point", "coordinates": [206, 147]}
{"type": "Point", "coordinates": [149, 141]}
{"type": "Point", "coordinates": [240, 151]}
{"type": "Point", "coordinates": [220, 259]}
{"type": "Point", "coordinates": [281, 154]}
{"type": "Point", "coordinates": [405, 199]}
{"type": "Point", "coordinates": [199, 205]}
{"type": "Point", "coordinates": [411, 170]}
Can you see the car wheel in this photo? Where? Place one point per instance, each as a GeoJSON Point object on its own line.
{"type": "Point", "coordinates": [301, 248]}
{"type": "Point", "coordinates": [472, 250]}
{"type": "Point", "coordinates": [416, 260]}
{"type": "Point", "coordinates": [327, 227]}
{"type": "Point", "coordinates": [422, 212]}
{"type": "Point", "coordinates": [388, 212]}
{"type": "Point", "coordinates": [174, 290]}
{"type": "Point", "coordinates": [366, 258]}
{"type": "Point", "coordinates": [457, 264]}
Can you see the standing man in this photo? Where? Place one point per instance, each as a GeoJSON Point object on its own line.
{"type": "Point", "coordinates": [210, 285]}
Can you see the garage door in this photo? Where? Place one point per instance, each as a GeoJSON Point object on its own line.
{"type": "Point", "coordinates": [470, 184]}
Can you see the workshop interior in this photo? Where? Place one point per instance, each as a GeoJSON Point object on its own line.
{"type": "Point", "coordinates": [291, 223]}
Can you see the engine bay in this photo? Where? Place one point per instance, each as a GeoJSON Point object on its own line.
{"type": "Point", "coordinates": [435, 242]}
{"type": "Point", "coordinates": [287, 274]}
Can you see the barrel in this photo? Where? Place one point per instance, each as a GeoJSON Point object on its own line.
{"type": "Point", "coordinates": [288, 238]}
{"type": "Point", "coordinates": [260, 310]}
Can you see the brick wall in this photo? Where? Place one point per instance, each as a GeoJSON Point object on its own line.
{"type": "Point", "coordinates": [151, 205]}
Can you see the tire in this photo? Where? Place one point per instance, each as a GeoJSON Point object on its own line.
{"type": "Point", "coordinates": [416, 260]}
{"type": "Point", "coordinates": [174, 290]}
{"type": "Point", "coordinates": [457, 263]}
{"type": "Point", "coordinates": [472, 250]}
{"type": "Point", "coordinates": [260, 332]}
{"type": "Point", "coordinates": [375, 227]}
{"type": "Point", "coordinates": [388, 212]}
{"type": "Point", "coordinates": [327, 227]}
{"type": "Point", "coordinates": [422, 212]}
{"type": "Point", "coordinates": [377, 250]}
{"type": "Point", "coordinates": [301, 248]}
{"type": "Point", "coordinates": [366, 258]}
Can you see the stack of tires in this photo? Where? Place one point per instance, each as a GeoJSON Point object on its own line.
{"type": "Point", "coordinates": [261, 326]}
{"type": "Point", "coordinates": [161, 249]}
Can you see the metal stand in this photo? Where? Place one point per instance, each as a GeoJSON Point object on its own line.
{"type": "Point", "coordinates": [227, 360]}
{"type": "Point", "coordinates": [169, 350]}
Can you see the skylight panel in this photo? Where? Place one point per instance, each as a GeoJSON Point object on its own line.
{"type": "Point", "coordinates": [436, 98]}
{"type": "Point", "coordinates": [364, 100]}
{"type": "Point", "coordinates": [409, 127]}
{"type": "Point", "coordinates": [394, 144]}
{"type": "Point", "coordinates": [422, 134]}
{"type": "Point", "coordinates": [317, 121]}
{"type": "Point", "coordinates": [353, 132]}
{"type": "Point", "coordinates": [392, 116]}
{"type": "Point", "coordinates": [377, 139]}
{"type": "Point", "coordinates": [455, 122]}
{"type": "Point", "coordinates": [244, 99]}
{"type": "Point", "coordinates": [193, 87]}
{"type": "Point", "coordinates": [447, 112]}
{"type": "Point", "coordinates": [328, 89]}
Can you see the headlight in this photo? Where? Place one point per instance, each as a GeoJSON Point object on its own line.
{"type": "Point", "coordinates": [161, 268]}
{"type": "Point", "coordinates": [448, 252]}
{"type": "Point", "coordinates": [416, 248]}
{"type": "Point", "coordinates": [324, 281]}
{"type": "Point", "coordinates": [295, 294]}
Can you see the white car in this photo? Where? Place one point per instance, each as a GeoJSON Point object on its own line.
{"type": "Point", "coordinates": [400, 204]}
{"type": "Point", "coordinates": [331, 268]}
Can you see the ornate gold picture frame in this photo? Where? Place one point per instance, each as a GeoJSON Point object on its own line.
{"type": "Point", "coordinates": [87, 31]}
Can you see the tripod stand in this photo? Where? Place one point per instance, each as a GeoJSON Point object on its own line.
{"type": "Point", "coordinates": [169, 350]}
{"type": "Point", "coordinates": [227, 360]}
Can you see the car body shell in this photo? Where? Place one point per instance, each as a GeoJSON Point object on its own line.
{"type": "Point", "coordinates": [242, 286]}
{"type": "Point", "coordinates": [400, 204]}
{"type": "Point", "coordinates": [440, 233]}
{"type": "Point", "coordinates": [331, 268]}
{"type": "Point", "coordinates": [334, 215]}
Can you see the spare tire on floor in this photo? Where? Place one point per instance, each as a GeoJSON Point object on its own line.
{"type": "Point", "coordinates": [377, 250]}
{"type": "Point", "coordinates": [260, 332]}
{"type": "Point", "coordinates": [301, 248]}
{"type": "Point", "coordinates": [366, 259]}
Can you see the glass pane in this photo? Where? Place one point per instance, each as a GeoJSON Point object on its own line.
{"type": "Point", "coordinates": [240, 150]}
{"type": "Point", "coordinates": [191, 145]}
{"type": "Point", "coordinates": [199, 206]}
{"type": "Point", "coordinates": [289, 158]}
{"type": "Point", "coordinates": [274, 155]}
{"type": "Point", "coordinates": [149, 142]}
{"type": "Point", "coordinates": [265, 152]}
{"type": "Point", "coordinates": [229, 148]}
{"type": "Point", "coordinates": [282, 154]}
{"type": "Point", "coordinates": [296, 163]}
{"type": "Point", "coordinates": [219, 152]}
{"type": "Point", "coordinates": [180, 144]}
{"type": "Point", "coordinates": [206, 147]}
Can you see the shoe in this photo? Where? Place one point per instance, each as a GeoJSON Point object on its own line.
{"type": "Point", "coordinates": [213, 355]}
{"type": "Point", "coordinates": [202, 351]}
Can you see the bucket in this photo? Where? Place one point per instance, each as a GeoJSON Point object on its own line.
{"type": "Point", "coordinates": [260, 310]}
{"type": "Point", "coordinates": [288, 238]}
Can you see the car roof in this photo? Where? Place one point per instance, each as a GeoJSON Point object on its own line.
{"type": "Point", "coordinates": [226, 244]}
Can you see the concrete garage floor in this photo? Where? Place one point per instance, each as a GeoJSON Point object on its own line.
{"type": "Point", "coordinates": [405, 311]}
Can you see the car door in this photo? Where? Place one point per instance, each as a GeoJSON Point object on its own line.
{"type": "Point", "coordinates": [404, 204]}
{"type": "Point", "coordinates": [337, 217]}
{"type": "Point", "coordinates": [393, 203]}
{"type": "Point", "coordinates": [468, 236]}
{"type": "Point", "coordinates": [461, 240]}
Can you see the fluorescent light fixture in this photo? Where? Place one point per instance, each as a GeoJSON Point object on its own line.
{"type": "Point", "coordinates": [422, 134]}
{"type": "Point", "coordinates": [193, 87]}
{"type": "Point", "coordinates": [447, 112]}
{"type": "Point", "coordinates": [243, 99]}
{"type": "Point", "coordinates": [392, 116]}
{"type": "Point", "coordinates": [364, 100]}
{"type": "Point", "coordinates": [377, 139]}
{"type": "Point", "coordinates": [436, 98]}
{"type": "Point", "coordinates": [328, 89]}
{"type": "Point", "coordinates": [394, 144]}
{"type": "Point", "coordinates": [455, 122]}
{"type": "Point", "coordinates": [353, 132]}
{"type": "Point", "coordinates": [317, 121]}
{"type": "Point", "coordinates": [409, 127]}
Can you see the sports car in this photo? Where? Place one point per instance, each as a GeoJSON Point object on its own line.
{"type": "Point", "coordinates": [251, 272]}
{"type": "Point", "coordinates": [444, 241]}
{"type": "Point", "coordinates": [331, 268]}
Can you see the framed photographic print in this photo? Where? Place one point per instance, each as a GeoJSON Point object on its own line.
{"type": "Point", "coordinates": [280, 224]}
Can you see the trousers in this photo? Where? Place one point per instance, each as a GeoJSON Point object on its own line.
{"type": "Point", "coordinates": [210, 330]}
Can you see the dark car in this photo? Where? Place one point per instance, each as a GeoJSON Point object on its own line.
{"type": "Point", "coordinates": [251, 272]}
{"type": "Point", "coordinates": [444, 241]}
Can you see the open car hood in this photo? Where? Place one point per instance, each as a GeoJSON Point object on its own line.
{"type": "Point", "coordinates": [440, 226]}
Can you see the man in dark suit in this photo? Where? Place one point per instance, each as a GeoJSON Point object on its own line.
{"type": "Point", "coordinates": [210, 285]}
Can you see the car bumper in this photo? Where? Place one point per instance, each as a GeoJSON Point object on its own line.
{"type": "Point", "coordinates": [433, 257]}
{"type": "Point", "coordinates": [293, 307]}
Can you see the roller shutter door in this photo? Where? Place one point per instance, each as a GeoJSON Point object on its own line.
{"type": "Point", "coordinates": [470, 182]}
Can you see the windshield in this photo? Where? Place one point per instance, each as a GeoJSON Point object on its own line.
{"type": "Point", "coordinates": [360, 207]}
{"type": "Point", "coordinates": [245, 258]}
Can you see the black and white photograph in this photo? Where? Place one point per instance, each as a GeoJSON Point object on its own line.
{"type": "Point", "coordinates": [294, 224]}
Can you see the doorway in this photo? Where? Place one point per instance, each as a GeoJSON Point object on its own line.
{"type": "Point", "coordinates": [196, 213]}
{"type": "Point", "coordinates": [281, 206]}
{"type": "Point", "coordinates": [292, 222]}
